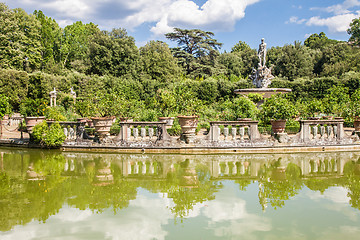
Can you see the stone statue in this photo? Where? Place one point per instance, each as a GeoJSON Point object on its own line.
{"type": "Point", "coordinates": [53, 98]}
{"type": "Point", "coordinates": [262, 53]}
{"type": "Point", "coordinates": [262, 75]}
{"type": "Point", "coordinates": [73, 93]}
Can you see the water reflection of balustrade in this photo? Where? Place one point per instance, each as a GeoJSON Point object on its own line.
{"type": "Point", "coordinates": [72, 130]}
{"type": "Point", "coordinates": [331, 130]}
{"type": "Point", "coordinates": [233, 168]}
{"type": "Point", "coordinates": [234, 130]}
{"type": "Point", "coordinates": [130, 131]}
{"type": "Point", "coordinates": [139, 168]}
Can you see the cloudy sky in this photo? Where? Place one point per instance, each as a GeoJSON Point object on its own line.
{"type": "Point", "coordinates": [278, 21]}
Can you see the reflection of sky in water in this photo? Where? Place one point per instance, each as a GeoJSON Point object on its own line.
{"type": "Point", "coordinates": [234, 214]}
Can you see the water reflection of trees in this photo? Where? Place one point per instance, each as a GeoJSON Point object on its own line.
{"type": "Point", "coordinates": [35, 185]}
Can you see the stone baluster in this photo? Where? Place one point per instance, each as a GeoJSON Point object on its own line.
{"type": "Point", "coordinates": [315, 131]}
{"type": "Point", "coordinates": [151, 132]}
{"type": "Point", "coordinates": [65, 132]}
{"type": "Point", "coordinates": [335, 165]}
{"type": "Point", "coordinates": [233, 132]}
{"type": "Point", "coordinates": [135, 133]}
{"type": "Point", "coordinates": [322, 131]}
{"type": "Point", "coordinates": [226, 132]}
{"type": "Point", "coordinates": [329, 130]}
{"type": "Point", "coordinates": [335, 131]}
{"type": "Point", "coordinates": [143, 132]}
{"type": "Point", "coordinates": [128, 133]}
{"type": "Point", "coordinates": [242, 133]}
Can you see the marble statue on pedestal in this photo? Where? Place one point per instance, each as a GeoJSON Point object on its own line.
{"type": "Point", "coordinates": [261, 77]}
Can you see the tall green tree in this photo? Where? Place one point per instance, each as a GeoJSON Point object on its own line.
{"type": "Point", "coordinates": [50, 33]}
{"type": "Point", "coordinates": [197, 50]}
{"type": "Point", "coordinates": [20, 45]}
{"type": "Point", "coordinates": [74, 43]}
{"type": "Point", "coordinates": [113, 53]}
{"type": "Point", "coordinates": [354, 31]}
{"type": "Point", "coordinates": [158, 61]}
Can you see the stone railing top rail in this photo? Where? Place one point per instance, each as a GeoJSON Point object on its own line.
{"type": "Point", "coordinates": [233, 123]}
{"type": "Point", "coordinates": [143, 123]}
{"type": "Point", "coordinates": [322, 121]}
{"type": "Point", "coordinates": [67, 123]}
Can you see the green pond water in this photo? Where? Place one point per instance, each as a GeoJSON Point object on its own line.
{"type": "Point", "coordinates": [70, 195]}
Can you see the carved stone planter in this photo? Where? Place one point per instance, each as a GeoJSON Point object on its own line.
{"type": "Point", "coordinates": [32, 121]}
{"type": "Point", "coordinates": [169, 121]}
{"type": "Point", "coordinates": [278, 126]}
{"type": "Point", "coordinates": [102, 125]}
{"type": "Point", "coordinates": [357, 124]}
{"type": "Point", "coordinates": [188, 126]}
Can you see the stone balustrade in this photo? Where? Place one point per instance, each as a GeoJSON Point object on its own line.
{"type": "Point", "coordinates": [321, 130]}
{"type": "Point", "coordinates": [15, 120]}
{"type": "Point", "coordinates": [72, 130]}
{"type": "Point", "coordinates": [129, 131]}
{"type": "Point", "coordinates": [240, 130]}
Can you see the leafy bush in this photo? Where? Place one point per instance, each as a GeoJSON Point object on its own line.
{"type": "Point", "coordinates": [4, 106]}
{"type": "Point", "coordinates": [52, 136]}
{"type": "Point", "coordinates": [33, 107]}
{"type": "Point", "coordinates": [277, 107]}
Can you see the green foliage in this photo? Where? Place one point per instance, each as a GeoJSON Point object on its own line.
{"type": "Point", "coordinates": [239, 107]}
{"type": "Point", "coordinates": [4, 106]}
{"type": "Point", "coordinates": [158, 62]}
{"type": "Point", "coordinates": [255, 97]}
{"type": "Point", "coordinates": [354, 31]}
{"type": "Point", "coordinates": [52, 136]}
{"type": "Point", "coordinates": [277, 107]}
{"type": "Point", "coordinates": [33, 107]}
{"type": "Point", "coordinates": [54, 113]}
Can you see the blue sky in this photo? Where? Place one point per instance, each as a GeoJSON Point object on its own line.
{"type": "Point", "coordinates": [280, 22]}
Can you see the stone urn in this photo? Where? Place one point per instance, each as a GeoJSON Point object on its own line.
{"type": "Point", "coordinates": [357, 124]}
{"type": "Point", "coordinates": [32, 121]}
{"type": "Point", "coordinates": [188, 126]}
{"type": "Point", "coordinates": [169, 121]}
{"type": "Point", "coordinates": [102, 125]}
{"type": "Point", "coordinates": [278, 126]}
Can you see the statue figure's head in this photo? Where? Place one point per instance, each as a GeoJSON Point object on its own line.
{"type": "Point", "coordinates": [262, 40]}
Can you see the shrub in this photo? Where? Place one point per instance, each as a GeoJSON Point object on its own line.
{"type": "Point", "coordinates": [277, 107]}
{"type": "Point", "coordinates": [52, 136]}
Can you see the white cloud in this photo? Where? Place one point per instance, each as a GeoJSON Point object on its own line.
{"type": "Point", "coordinates": [339, 23]}
{"type": "Point", "coordinates": [163, 15]}
{"type": "Point", "coordinates": [343, 14]}
{"type": "Point", "coordinates": [342, 8]}
{"type": "Point", "coordinates": [334, 194]}
{"type": "Point", "coordinates": [296, 20]}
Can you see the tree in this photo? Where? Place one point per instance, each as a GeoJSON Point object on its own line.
{"type": "Point", "coordinates": [318, 41]}
{"type": "Point", "coordinates": [20, 46]}
{"type": "Point", "coordinates": [292, 61]}
{"type": "Point", "coordinates": [354, 31]}
{"type": "Point", "coordinates": [74, 43]}
{"type": "Point", "coordinates": [198, 50]}
{"type": "Point", "coordinates": [158, 61]}
{"type": "Point", "coordinates": [113, 53]}
{"type": "Point", "coordinates": [50, 40]}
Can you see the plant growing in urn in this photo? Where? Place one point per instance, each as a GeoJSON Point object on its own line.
{"type": "Point", "coordinates": [106, 108]}
{"type": "Point", "coordinates": [188, 120]}
{"type": "Point", "coordinates": [276, 110]}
